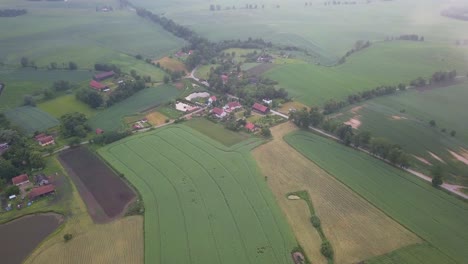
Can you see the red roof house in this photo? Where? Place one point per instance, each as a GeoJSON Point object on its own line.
{"type": "Point", "coordinates": [224, 78]}
{"type": "Point", "coordinates": [250, 126]}
{"type": "Point", "coordinates": [97, 85]}
{"type": "Point", "coordinates": [47, 140]}
{"type": "Point", "coordinates": [99, 131]}
{"type": "Point", "coordinates": [20, 180]}
{"type": "Point", "coordinates": [213, 98]}
{"type": "Point", "coordinates": [234, 105]}
{"type": "Point", "coordinates": [40, 136]}
{"type": "Point", "coordinates": [260, 108]}
{"type": "Point", "coordinates": [219, 113]}
{"type": "Point", "coordinates": [103, 75]}
{"type": "Point", "coordinates": [41, 191]}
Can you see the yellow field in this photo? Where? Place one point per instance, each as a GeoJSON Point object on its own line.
{"type": "Point", "coordinates": [172, 64]}
{"type": "Point", "coordinates": [118, 242]}
{"type": "Point", "coordinates": [156, 118]}
{"type": "Point", "coordinates": [291, 105]}
{"type": "Point", "coordinates": [356, 229]}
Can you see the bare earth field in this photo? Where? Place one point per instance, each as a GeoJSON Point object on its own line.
{"type": "Point", "coordinates": [156, 118]}
{"type": "Point", "coordinates": [105, 194]}
{"type": "Point", "coordinates": [357, 230]}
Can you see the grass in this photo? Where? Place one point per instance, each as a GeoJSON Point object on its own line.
{"type": "Point", "coordinates": [414, 254]}
{"type": "Point", "coordinates": [356, 229]}
{"type": "Point", "coordinates": [156, 118]}
{"type": "Point", "coordinates": [216, 131]}
{"type": "Point", "coordinates": [31, 119]}
{"type": "Point", "coordinates": [203, 72]}
{"type": "Point", "coordinates": [382, 64]}
{"type": "Point", "coordinates": [112, 118]}
{"type": "Point", "coordinates": [172, 64]}
{"type": "Point", "coordinates": [413, 131]}
{"type": "Point", "coordinates": [432, 214]}
{"type": "Point", "coordinates": [64, 105]}
{"type": "Point", "coordinates": [224, 211]}
{"type": "Point", "coordinates": [169, 111]}
{"type": "Point", "coordinates": [21, 82]}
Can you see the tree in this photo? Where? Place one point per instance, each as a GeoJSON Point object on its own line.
{"type": "Point", "coordinates": [437, 173]}
{"type": "Point", "coordinates": [7, 170]}
{"type": "Point", "coordinates": [361, 139]}
{"type": "Point", "coordinates": [315, 117]}
{"type": "Point", "coordinates": [72, 66]}
{"type": "Point", "coordinates": [345, 133]}
{"type": "Point", "coordinates": [90, 97]}
{"type": "Point", "coordinates": [74, 125]}
{"type": "Point", "coordinates": [166, 79]}
{"type": "Point", "coordinates": [61, 86]}
{"type": "Point", "coordinates": [453, 133]}
{"type": "Point", "coordinates": [24, 62]}
{"type": "Point", "coordinates": [266, 132]}
{"type": "Point", "coordinates": [67, 237]}
{"type": "Point", "coordinates": [53, 66]}
{"type": "Point", "coordinates": [432, 123]}
{"type": "Point", "coordinates": [12, 190]}
{"type": "Point", "coordinates": [326, 249]}
{"type": "Point", "coordinates": [29, 100]}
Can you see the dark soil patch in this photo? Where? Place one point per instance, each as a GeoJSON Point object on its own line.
{"type": "Point", "coordinates": [106, 195]}
{"type": "Point", "coordinates": [20, 237]}
{"type": "Point", "coordinates": [433, 86]}
{"type": "Point", "coordinates": [260, 69]}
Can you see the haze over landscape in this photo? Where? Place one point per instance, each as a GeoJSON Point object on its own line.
{"type": "Point", "coordinates": [219, 131]}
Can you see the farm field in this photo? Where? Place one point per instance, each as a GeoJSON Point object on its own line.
{"type": "Point", "coordinates": [432, 214]}
{"type": "Point", "coordinates": [31, 119]}
{"type": "Point", "coordinates": [387, 63]}
{"type": "Point", "coordinates": [21, 82]}
{"type": "Point", "coordinates": [203, 72]}
{"type": "Point", "coordinates": [105, 194]}
{"type": "Point", "coordinates": [118, 242]}
{"type": "Point", "coordinates": [216, 131]}
{"type": "Point", "coordinates": [21, 236]}
{"type": "Point", "coordinates": [156, 118]}
{"type": "Point", "coordinates": [66, 104]}
{"type": "Point", "coordinates": [172, 64]}
{"type": "Point", "coordinates": [225, 212]}
{"type": "Point", "coordinates": [383, 117]}
{"type": "Point", "coordinates": [112, 118]}
{"type": "Point", "coordinates": [356, 229]}
{"type": "Point", "coordinates": [414, 254]}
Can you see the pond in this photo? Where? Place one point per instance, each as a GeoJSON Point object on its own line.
{"type": "Point", "coordinates": [20, 237]}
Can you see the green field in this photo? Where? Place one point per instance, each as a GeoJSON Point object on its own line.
{"type": "Point", "coordinates": [432, 214]}
{"type": "Point", "coordinates": [64, 105]}
{"type": "Point", "coordinates": [31, 119]}
{"type": "Point", "coordinates": [111, 118]}
{"type": "Point", "coordinates": [387, 63]}
{"type": "Point", "coordinates": [216, 131]}
{"type": "Point", "coordinates": [204, 203]}
{"type": "Point", "coordinates": [20, 82]}
{"type": "Point", "coordinates": [414, 254]}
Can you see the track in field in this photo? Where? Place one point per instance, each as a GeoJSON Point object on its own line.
{"type": "Point", "coordinates": [204, 203]}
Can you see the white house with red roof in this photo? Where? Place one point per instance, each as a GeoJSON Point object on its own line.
{"type": "Point", "coordinates": [44, 140]}
{"type": "Point", "coordinates": [212, 99]}
{"type": "Point", "coordinates": [260, 108]}
{"type": "Point", "coordinates": [232, 106]}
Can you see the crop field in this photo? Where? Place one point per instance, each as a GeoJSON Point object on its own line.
{"type": "Point", "coordinates": [216, 131]}
{"type": "Point", "coordinates": [172, 64]}
{"type": "Point", "coordinates": [64, 105]}
{"type": "Point", "coordinates": [432, 214]}
{"type": "Point", "coordinates": [356, 229]}
{"type": "Point", "coordinates": [414, 254]}
{"type": "Point", "coordinates": [105, 194]}
{"type": "Point", "coordinates": [112, 118]}
{"type": "Point", "coordinates": [387, 63]}
{"type": "Point", "coordinates": [156, 118]}
{"type": "Point", "coordinates": [203, 72]}
{"type": "Point", "coordinates": [118, 242]}
{"type": "Point", "coordinates": [204, 203]}
{"type": "Point", "coordinates": [31, 119]}
{"type": "Point", "coordinates": [20, 82]}
{"type": "Point", "coordinates": [404, 119]}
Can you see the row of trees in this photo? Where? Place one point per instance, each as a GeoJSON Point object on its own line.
{"type": "Point", "coordinates": [359, 45]}
{"type": "Point", "coordinates": [90, 97]}
{"type": "Point", "coordinates": [26, 62]}
{"type": "Point", "coordinates": [377, 146]}
{"type": "Point", "coordinates": [12, 12]}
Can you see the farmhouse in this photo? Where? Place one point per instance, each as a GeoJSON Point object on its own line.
{"type": "Point", "coordinates": [250, 126]}
{"type": "Point", "coordinates": [218, 112]}
{"type": "Point", "coordinates": [104, 75]}
{"type": "Point", "coordinates": [260, 108]}
{"type": "Point", "coordinates": [20, 180]}
{"type": "Point", "coordinates": [99, 131]}
{"type": "Point", "coordinates": [41, 179]}
{"type": "Point", "coordinates": [212, 99]}
{"type": "Point", "coordinates": [46, 140]}
{"type": "Point", "coordinates": [41, 191]}
{"type": "Point", "coordinates": [232, 106]}
{"type": "Point", "coordinates": [97, 85]}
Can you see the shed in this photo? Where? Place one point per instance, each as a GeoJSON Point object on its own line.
{"type": "Point", "coordinates": [250, 126]}
{"type": "Point", "coordinates": [219, 113]}
{"type": "Point", "coordinates": [41, 191]}
{"type": "Point", "coordinates": [45, 141]}
{"type": "Point", "coordinates": [97, 85]}
{"type": "Point", "coordinates": [20, 180]}
{"type": "Point", "coordinates": [103, 75]}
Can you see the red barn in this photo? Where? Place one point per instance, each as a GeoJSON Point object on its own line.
{"type": "Point", "coordinates": [20, 180]}
{"type": "Point", "coordinates": [103, 75]}
{"type": "Point", "coordinates": [260, 108]}
{"type": "Point", "coordinates": [97, 85]}
{"type": "Point", "coordinates": [41, 191]}
{"type": "Point", "coordinates": [250, 127]}
{"type": "Point", "coordinates": [45, 141]}
{"type": "Point", "coordinates": [219, 113]}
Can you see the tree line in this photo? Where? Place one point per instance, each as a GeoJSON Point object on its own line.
{"type": "Point", "coordinates": [12, 12]}
{"type": "Point", "coordinates": [379, 147]}
{"type": "Point", "coordinates": [359, 45]}
{"type": "Point", "coordinates": [25, 62]}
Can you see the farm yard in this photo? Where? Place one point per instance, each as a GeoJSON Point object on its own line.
{"type": "Point", "coordinates": [105, 194]}
{"type": "Point", "coordinates": [21, 236]}
{"type": "Point", "coordinates": [356, 229]}
{"type": "Point", "coordinates": [433, 215]}
{"type": "Point", "coordinates": [225, 211]}
{"type": "Point", "coordinates": [112, 118]}
{"type": "Point", "coordinates": [118, 242]}
{"type": "Point", "coordinates": [31, 119]}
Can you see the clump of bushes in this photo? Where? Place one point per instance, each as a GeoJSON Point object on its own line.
{"type": "Point", "coordinates": [67, 237]}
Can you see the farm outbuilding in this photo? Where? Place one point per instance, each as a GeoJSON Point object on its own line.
{"type": "Point", "coordinates": [103, 75]}
{"type": "Point", "coordinates": [218, 112]}
{"type": "Point", "coordinates": [20, 180]}
{"type": "Point", "coordinates": [3, 147]}
{"type": "Point", "coordinates": [260, 108]}
{"type": "Point", "coordinates": [97, 85]}
{"type": "Point", "coordinates": [41, 191]}
{"type": "Point", "coordinates": [250, 126]}
{"type": "Point", "coordinates": [47, 140]}
{"type": "Point", "coordinates": [41, 179]}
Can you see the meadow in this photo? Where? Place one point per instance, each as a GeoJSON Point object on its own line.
{"type": "Point", "coordinates": [433, 215]}
{"type": "Point", "coordinates": [385, 63]}
{"type": "Point", "coordinates": [31, 119]}
{"type": "Point", "coordinates": [111, 118]}
{"type": "Point", "coordinates": [204, 203]}
{"type": "Point", "coordinates": [216, 131]}
{"type": "Point", "coordinates": [356, 229]}
{"type": "Point", "coordinates": [66, 104]}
